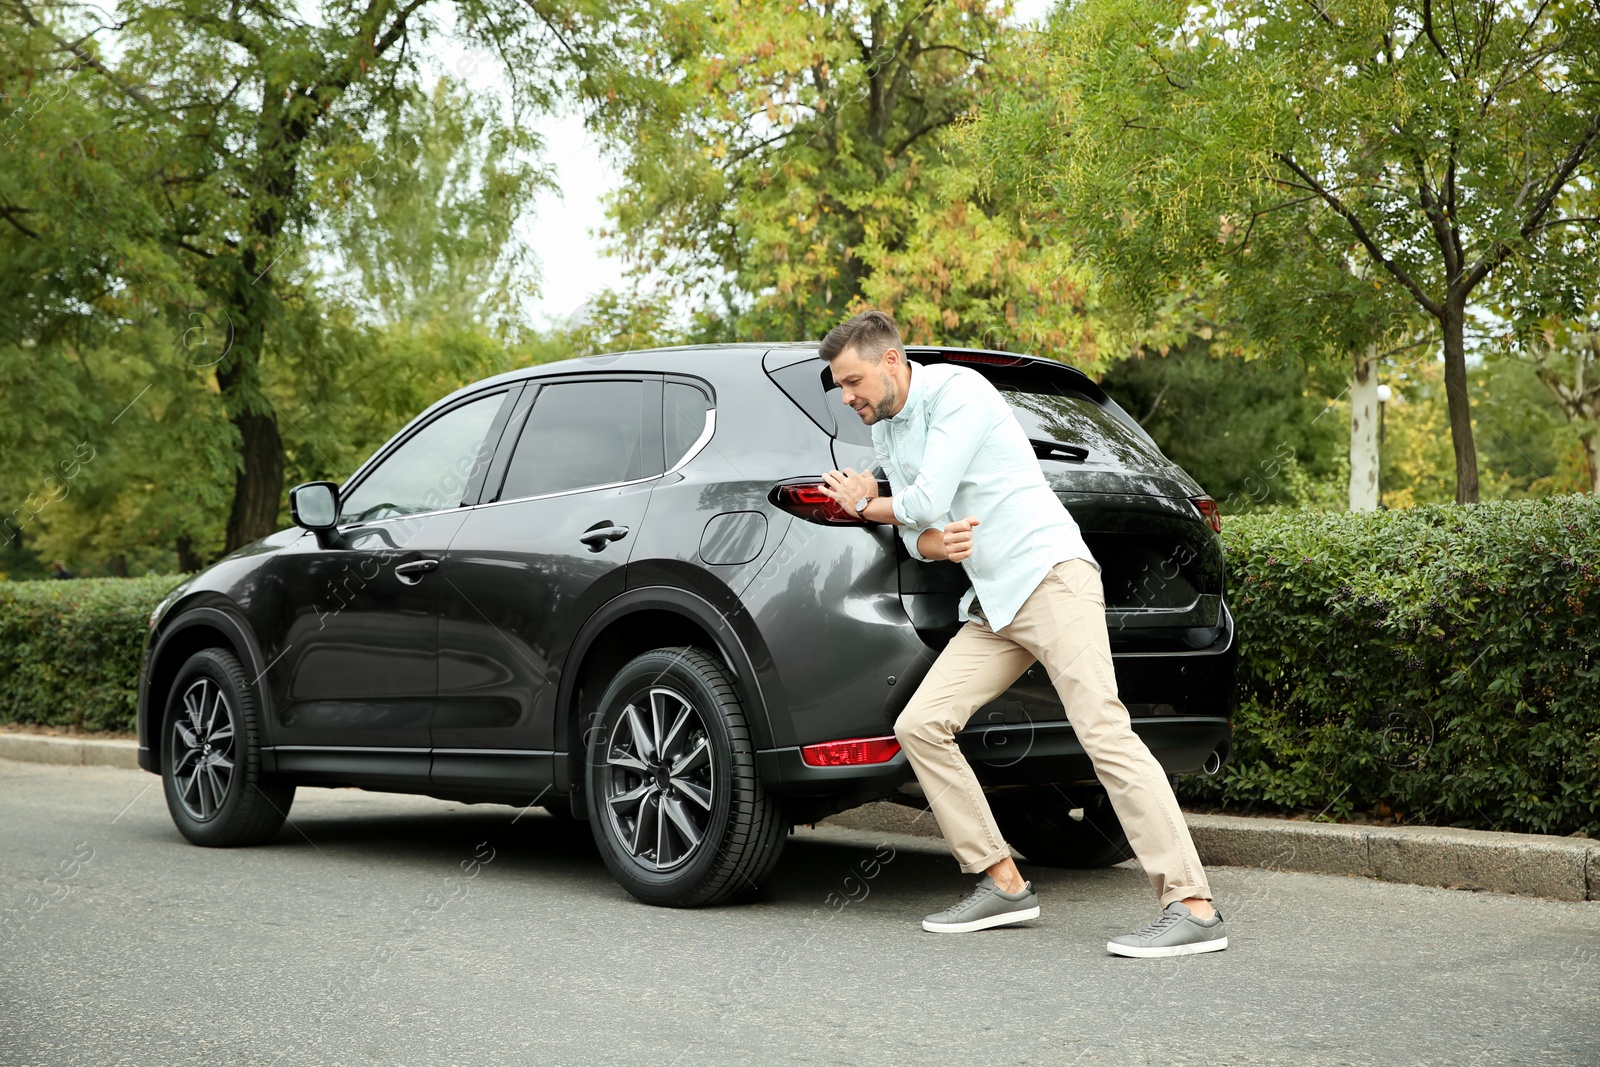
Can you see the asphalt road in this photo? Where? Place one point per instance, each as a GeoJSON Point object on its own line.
{"type": "Point", "coordinates": [397, 930]}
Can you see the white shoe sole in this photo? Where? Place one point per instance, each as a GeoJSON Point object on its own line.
{"type": "Point", "coordinates": [982, 924]}
{"type": "Point", "coordinates": [1172, 950]}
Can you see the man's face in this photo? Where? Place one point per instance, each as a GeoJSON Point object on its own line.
{"type": "Point", "coordinates": [867, 386]}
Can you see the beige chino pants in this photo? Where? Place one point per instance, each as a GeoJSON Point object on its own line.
{"type": "Point", "coordinates": [1062, 625]}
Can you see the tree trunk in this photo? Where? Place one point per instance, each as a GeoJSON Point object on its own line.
{"type": "Point", "coordinates": [188, 559]}
{"type": "Point", "coordinates": [1455, 386]}
{"type": "Point", "coordinates": [250, 303]}
{"type": "Point", "coordinates": [1364, 432]}
{"type": "Point", "coordinates": [1591, 453]}
{"type": "Point", "coordinates": [258, 483]}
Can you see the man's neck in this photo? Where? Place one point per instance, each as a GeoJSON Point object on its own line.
{"type": "Point", "coordinates": [905, 392]}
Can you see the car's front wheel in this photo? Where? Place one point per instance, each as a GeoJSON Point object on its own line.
{"type": "Point", "coordinates": [211, 756]}
{"type": "Point", "coordinates": [675, 802]}
{"type": "Point", "coordinates": [1054, 828]}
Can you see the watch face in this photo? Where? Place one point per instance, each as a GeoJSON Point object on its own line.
{"type": "Point", "coordinates": [861, 505]}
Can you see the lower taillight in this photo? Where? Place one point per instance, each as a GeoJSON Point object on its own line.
{"type": "Point", "coordinates": [1209, 511]}
{"type": "Point", "coordinates": [809, 502]}
{"type": "Point", "coordinates": [851, 753]}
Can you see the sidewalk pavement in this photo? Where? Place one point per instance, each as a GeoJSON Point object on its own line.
{"type": "Point", "coordinates": [1560, 868]}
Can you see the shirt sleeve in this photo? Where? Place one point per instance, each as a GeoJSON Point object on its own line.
{"type": "Point", "coordinates": [910, 536]}
{"type": "Point", "coordinates": [958, 424]}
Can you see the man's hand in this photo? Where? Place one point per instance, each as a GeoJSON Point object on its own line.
{"type": "Point", "coordinates": [958, 539]}
{"type": "Point", "coordinates": [848, 486]}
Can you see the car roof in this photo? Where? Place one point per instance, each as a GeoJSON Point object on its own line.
{"type": "Point", "coordinates": [771, 354]}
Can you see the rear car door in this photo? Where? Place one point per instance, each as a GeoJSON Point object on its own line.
{"type": "Point", "coordinates": [548, 545]}
{"type": "Point", "coordinates": [355, 670]}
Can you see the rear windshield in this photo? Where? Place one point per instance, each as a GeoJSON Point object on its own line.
{"type": "Point", "coordinates": [1047, 411]}
{"type": "Point", "coordinates": [1070, 418]}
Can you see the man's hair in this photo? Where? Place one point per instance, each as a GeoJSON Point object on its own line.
{"type": "Point", "coordinates": [871, 334]}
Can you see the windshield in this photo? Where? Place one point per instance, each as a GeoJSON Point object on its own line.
{"type": "Point", "coordinates": [1071, 418]}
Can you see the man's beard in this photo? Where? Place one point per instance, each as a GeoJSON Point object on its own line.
{"type": "Point", "coordinates": [884, 408]}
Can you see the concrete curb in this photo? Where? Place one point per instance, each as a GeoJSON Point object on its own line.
{"type": "Point", "coordinates": [74, 751]}
{"type": "Point", "coordinates": [1559, 868]}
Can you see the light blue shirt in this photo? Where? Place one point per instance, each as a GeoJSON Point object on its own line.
{"type": "Point", "coordinates": [955, 450]}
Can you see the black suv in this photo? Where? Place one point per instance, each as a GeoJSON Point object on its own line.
{"type": "Point", "coordinates": [610, 587]}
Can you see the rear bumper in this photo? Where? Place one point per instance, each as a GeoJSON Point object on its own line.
{"type": "Point", "coordinates": [1007, 754]}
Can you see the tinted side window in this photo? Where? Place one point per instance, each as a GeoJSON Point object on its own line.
{"type": "Point", "coordinates": [810, 385]}
{"type": "Point", "coordinates": [580, 434]}
{"type": "Point", "coordinates": [683, 417]}
{"type": "Point", "coordinates": [431, 469]}
{"type": "Point", "coordinates": [851, 430]}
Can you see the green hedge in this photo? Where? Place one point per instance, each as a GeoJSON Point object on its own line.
{"type": "Point", "coordinates": [1439, 662]}
{"type": "Point", "coordinates": [70, 650]}
{"type": "Point", "coordinates": [1442, 663]}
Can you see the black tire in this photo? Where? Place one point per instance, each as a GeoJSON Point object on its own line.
{"type": "Point", "coordinates": [1041, 825]}
{"type": "Point", "coordinates": [211, 756]}
{"type": "Point", "coordinates": [646, 807]}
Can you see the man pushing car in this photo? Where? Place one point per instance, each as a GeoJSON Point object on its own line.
{"type": "Point", "coordinates": [966, 487]}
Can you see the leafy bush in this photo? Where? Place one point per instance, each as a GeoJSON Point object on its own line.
{"type": "Point", "coordinates": [1440, 662]}
{"type": "Point", "coordinates": [70, 650]}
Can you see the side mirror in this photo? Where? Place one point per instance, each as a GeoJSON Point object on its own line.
{"type": "Point", "coordinates": [314, 506]}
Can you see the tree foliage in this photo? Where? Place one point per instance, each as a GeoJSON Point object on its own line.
{"type": "Point", "coordinates": [168, 312]}
{"type": "Point", "coordinates": [1423, 145]}
{"type": "Point", "coordinates": [785, 163]}
{"type": "Point", "coordinates": [228, 135]}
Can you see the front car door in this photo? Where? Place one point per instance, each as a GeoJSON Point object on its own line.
{"type": "Point", "coordinates": [547, 547]}
{"type": "Point", "coordinates": [356, 674]}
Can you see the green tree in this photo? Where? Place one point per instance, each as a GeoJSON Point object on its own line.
{"type": "Point", "coordinates": [1548, 309]}
{"type": "Point", "coordinates": [1434, 142]}
{"type": "Point", "coordinates": [119, 439]}
{"type": "Point", "coordinates": [416, 287]}
{"type": "Point", "coordinates": [251, 119]}
{"type": "Point", "coordinates": [1241, 427]}
{"type": "Point", "coordinates": [784, 162]}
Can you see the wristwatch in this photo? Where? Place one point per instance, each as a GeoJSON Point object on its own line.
{"type": "Point", "coordinates": [861, 507]}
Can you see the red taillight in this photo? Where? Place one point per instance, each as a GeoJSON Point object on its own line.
{"type": "Point", "coordinates": [809, 502]}
{"type": "Point", "coordinates": [976, 357]}
{"type": "Point", "coordinates": [851, 753]}
{"type": "Point", "coordinates": [1208, 511]}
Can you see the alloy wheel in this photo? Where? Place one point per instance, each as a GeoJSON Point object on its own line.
{"type": "Point", "coordinates": [660, 779]}
{"type": "Point", "coordinates": [202, 749]}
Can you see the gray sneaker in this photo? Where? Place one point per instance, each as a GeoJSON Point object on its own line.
{"type": "Point", "coordinates": [987, 906]}
{"type": "Point", "coordinates": [1177, 933]}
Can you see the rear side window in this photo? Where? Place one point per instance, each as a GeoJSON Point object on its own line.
{"type": "Point", "coordinates": [811, 387]}
{"type": "Point", "coordinates": [1071, 418]}
{"type": "Point", "coordinates": [683, 418]}
{"type": "Point", "coordinates": [580, 435]}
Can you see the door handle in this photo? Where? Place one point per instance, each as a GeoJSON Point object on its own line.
{"type": "Point", "coordinates": [411, 573]}
{"type": "Point", "coordinates": [598, 537]}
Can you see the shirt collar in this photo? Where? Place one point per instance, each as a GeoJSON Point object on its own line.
{"type": "Point", "coordinates": [913, 394]}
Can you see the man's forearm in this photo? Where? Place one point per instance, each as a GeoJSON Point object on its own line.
{"type": "Point", "coordinates": [881, 509]}
{"type": "Point", "coordinates": [931, 543]}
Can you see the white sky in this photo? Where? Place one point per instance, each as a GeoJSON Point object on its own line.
{"type": "Point", "coordinates": [563, 227]}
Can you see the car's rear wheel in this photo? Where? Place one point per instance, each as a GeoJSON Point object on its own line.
{"type": "Point", "coordinates": [1054, 828]}
{"type": "Point", "coordinates": [675, 802]}
{"type": "Point", "coordinates": [211, 756]}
